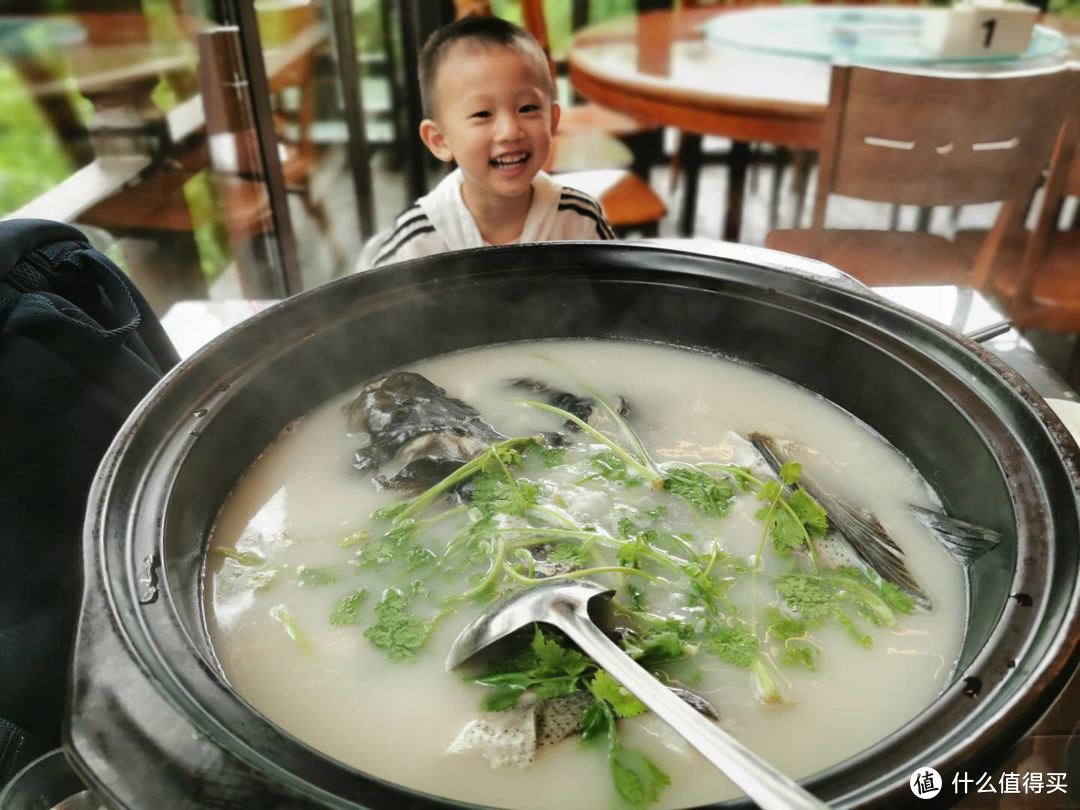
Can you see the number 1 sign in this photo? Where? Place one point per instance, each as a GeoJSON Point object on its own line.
{"type": "Point", "coordinates": [979, 29]}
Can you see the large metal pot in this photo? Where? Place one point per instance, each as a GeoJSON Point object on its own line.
{"type": "Point", "coordinates": [153, 722]}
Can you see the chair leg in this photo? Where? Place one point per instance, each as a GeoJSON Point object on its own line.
{"type": "Point", "coordinates": [783, 157]}
{"type": "Point", "coordinates": [648, 150]}
{"type": "Point", "coordinates": [800, 182]}
{"type": "Point", "coordinates": [690, 157]}
{"type": "Point", "coordinates": [738, 161]}
{"type": "Point", "coordinates": [753, 168]}
{"type": "Point", "coordinates": [922, 221]}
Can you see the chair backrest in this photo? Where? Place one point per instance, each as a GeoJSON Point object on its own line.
{"type": "Point", "coordinates": [1062, 179]}
{"type": "Point", "coordinates": [535, 22]}
{"type": "Point", "coordinates": [937, 138]}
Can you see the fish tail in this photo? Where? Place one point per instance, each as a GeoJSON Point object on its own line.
{"type": "Point", "coordinates": [966, 542]}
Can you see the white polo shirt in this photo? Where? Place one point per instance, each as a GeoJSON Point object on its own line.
{"type": "Point", "coordinates": [439, 221]}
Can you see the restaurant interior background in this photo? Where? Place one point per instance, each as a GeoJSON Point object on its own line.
{"type": "Point", "coordinates": [222, 149]}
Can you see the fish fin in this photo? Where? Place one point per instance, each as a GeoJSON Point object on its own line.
{"type": "Point", "coordinates": [862, 530]}
{"type": "Point", "coordinates": [965, 541]}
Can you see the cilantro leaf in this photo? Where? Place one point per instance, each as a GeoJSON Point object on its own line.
{"type": "Point", "coordinates": [550, 455]}
{"type": "Point", "coordinates": [799, 654]}
{"type": "Point", "coordinates": [555, 659]}
{"type": "Point", "coordinates": [824, 596]}
{"type": "Point", "coordinates": [735, 643]}
{"type": "Point", "coordinates": [346, 610]}
{"type": "Point", "coordinates": [312, 577]}
{"type": "Point", "coordinates": [509, 686]}
{"type": "Point", "coordinates": [610, 467]}
{"type": "Point", "coordinates": [390, 546]}
{"type": "Point", "coordinates": [418, 557]}
{"type": "Point", "coordinates": [559, 686]}
{"type": "Point", "coordinates": [497, 491]}
{"type": "Point", "coordinates": [546, 668]}
{"type": "Point", "coordinates": [807, 595]}
{"type": "Point", "coordinates": [790, 472]}
{"type": "Point", "coordinates": [656, 648]}
{"type": "Point", "coordinates": [809, 512]}
{"type": "Point", "coordinates": [569, 553]}
{"type": "Point", "coordinates": [706, 590]}
{"type": "Point", "coordinates": [787, 532]}
{"type": "Point", "coordinates": [501, 699]}
{"type": "Point", "coordinates": [797, 649]}
{"type": "Point", "coordinates": [638, 781]}
{"type": "Point", "coordinates": [397, 630]}
{"type": "Point", "coordinates": [597, 723]}
{"type": "Point", "coordinates": [712, 496]}
{"type": "Point", "coordinates": [606, 688]}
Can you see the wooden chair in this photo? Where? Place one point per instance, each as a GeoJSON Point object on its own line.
{"type": "Point", "coordinates": [588, 118]}
{"type": "Point", "coordinates": [928, 139]}
{"type": "Point", "coordinates": [1036, 278]}
{"type": "Point", "coordinates": [587, 139]}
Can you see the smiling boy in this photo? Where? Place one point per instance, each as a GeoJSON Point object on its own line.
{"type": "Point", "coordinates": [489, 103]}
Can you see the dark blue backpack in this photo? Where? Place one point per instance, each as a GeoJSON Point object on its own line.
{"type": "Point", "coordinates": [79, 347]}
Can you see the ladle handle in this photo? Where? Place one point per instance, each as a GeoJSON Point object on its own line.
{"type": "Point", "coordinates": [763, 783]}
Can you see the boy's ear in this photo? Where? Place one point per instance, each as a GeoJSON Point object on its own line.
{"type": "Point", "coordinates": [435, 141]}
{"type": "Point", "coordinates": [556, 111]}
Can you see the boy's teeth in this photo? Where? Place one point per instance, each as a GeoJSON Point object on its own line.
{"type": "Point", "coordinates": [511, 160]}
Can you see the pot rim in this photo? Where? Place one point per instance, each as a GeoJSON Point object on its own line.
{"type": "Point", "coordinates": [1057, 652]}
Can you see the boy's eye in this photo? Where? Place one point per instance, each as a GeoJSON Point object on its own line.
{"type": "Point", "coordinates": [481, 114]}
{"type": "Point", "coordinates": [528, 108]}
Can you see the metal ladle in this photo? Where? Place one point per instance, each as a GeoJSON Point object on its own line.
{"type": "Point", "coordinates": [566, 606]}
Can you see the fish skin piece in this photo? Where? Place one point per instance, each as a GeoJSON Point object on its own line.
{"type": "Point", "coordinates": [409, 419]}
{"type": "Point", "coordinates": [504, 739]}
{"type": "Point", "coordinates": [695, 702]}
{"type": "Point", "coordinates": [513, 737]}
{"type": "Point", "coordinates": [581, 407]}
{"type": "Point", "coordinates": [558, 718]}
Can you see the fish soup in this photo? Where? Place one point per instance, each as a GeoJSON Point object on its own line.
{"type": "Point", "coordinates": [333, 593]}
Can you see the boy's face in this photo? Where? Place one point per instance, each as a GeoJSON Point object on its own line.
{"type": "Point", "coordinates": [494, 116]}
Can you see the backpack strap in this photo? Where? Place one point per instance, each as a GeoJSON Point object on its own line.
{"type": "Point", "coordinates": [20, 236]}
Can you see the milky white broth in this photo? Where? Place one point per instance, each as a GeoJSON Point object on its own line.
{"type": "Point", "coordinates": [395, 720]}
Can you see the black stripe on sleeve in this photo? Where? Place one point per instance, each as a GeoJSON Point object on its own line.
{"type": "Point", "coordinates": [404, 220]}
{"type": "Point", "coordinates": [603, 230]}
{"type": "Point", "coordinates": [385, 254]}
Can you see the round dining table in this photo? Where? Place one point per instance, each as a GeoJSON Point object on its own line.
{"type": "Point", "coordinates": [676, 68]}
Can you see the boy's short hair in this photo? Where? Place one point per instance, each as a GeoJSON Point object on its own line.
{"type": "Point", "coordinates": [481, 31]}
